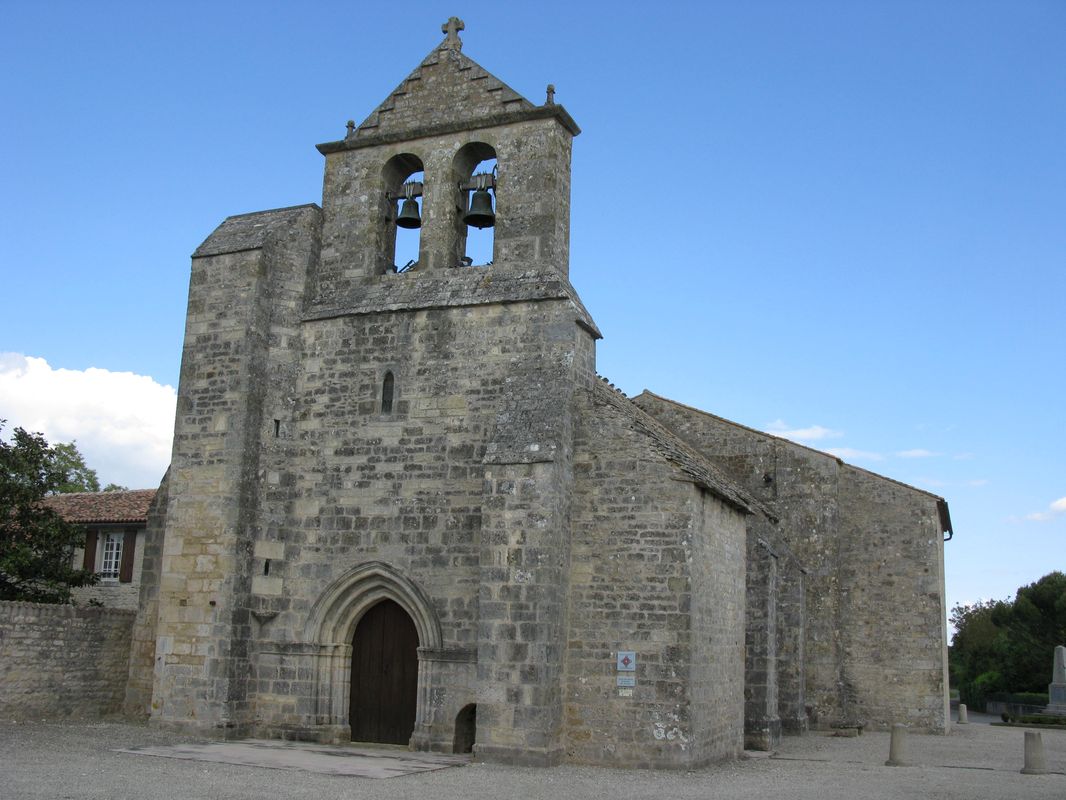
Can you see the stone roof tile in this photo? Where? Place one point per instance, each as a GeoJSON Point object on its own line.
{"type": "Point", "coordinates": [248, 231]}
{"type": "Point", "coordinates": [689, 461]}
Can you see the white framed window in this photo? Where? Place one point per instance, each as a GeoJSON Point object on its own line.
{"type": "Point", "coordinates": [111, 559]}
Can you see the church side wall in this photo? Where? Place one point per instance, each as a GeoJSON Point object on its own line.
{"type": "Point", "coordinates": [718, 627]}
{"type": "Point", "coordinates": [651, 572]}
{"type": "Point", "coordinates": [844, 526]}
{"type": "Point", "coordinates": [893, 637]}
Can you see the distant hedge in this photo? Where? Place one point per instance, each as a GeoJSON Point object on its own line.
{"type": "Point", "coordinates": [1020, 698]}
{"type": "Point", "coordinates": [1033, 719]}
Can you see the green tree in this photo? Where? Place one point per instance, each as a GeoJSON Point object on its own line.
{"type": "Point", "coordinates": [975, 658]}
{"type": "Point", "coordinates": [1007, 645]}
{"type": "Point", "coordinates": [1035, 624]}
{"type": "Point", "coordinates": [36, 544]}
{"type": "Point", "coordinates": [115, 487]}
{"type": "Point", "coordinates": [80, 476]}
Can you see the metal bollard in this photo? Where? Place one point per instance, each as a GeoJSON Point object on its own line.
{"type": "Point", "coordinates": [963, 719]}
{"type": "Point", "coordinates": [897, 747]}
{"type": "Point", "coordinates": [1035, 763]}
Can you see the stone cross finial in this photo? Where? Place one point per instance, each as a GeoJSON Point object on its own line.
{"type": "Point", "coordinates": [551, 95]}
{"type": "Point", "coordinates": [451, 30]}
{"type": "Point", "coordinates": [351, 127]}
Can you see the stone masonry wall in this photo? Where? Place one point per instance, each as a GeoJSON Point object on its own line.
{"type": "Point", "coordinates": [345, 483]}
{"type": "Point", "coordinates": [653, 572]}
{"type": "Point", "coordinates": [245, 292]}
{"type": "Point", "coordinates": [718, 623]}
{"type": "Point", "coordinates": [142, 646]}
{"type": "Point", "coordinates": [894, 640]}
{"type": "Point", "coordinates": [62, 661]}
{"type": "Point", "coordinates": [870, 545]}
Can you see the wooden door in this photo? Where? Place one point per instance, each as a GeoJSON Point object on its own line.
{"type": "Point", "coordinates": [384, 676]}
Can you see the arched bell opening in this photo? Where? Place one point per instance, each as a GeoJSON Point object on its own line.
{"type": "Point", "coordinates": [402, 211]}
{"type": "Point", "coordinates": [477, 173]}
{"type": "Point", "coordinates": [465, 729]}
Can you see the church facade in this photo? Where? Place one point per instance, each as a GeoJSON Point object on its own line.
{"type": "Point", "coordinates": [402, 506]}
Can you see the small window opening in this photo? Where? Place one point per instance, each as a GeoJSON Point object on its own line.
{"type": "Point", "coordinates": [465, 730]}
{"type": "Point", "coordinates": [479, 241]}
{"type": "Point", "coordinates": [277, 428]}
{"type": "Point", "coordinates": [386, 393]}
{"type": "Point", "coordinates": [266, 567]}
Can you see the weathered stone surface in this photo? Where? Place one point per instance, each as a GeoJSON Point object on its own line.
{"type": "Point", "coordinates": [1057, 688]}
{"type": "Point", "coordinates": [62, 661]}
{"type": "Point", "coordinates": [872, 549]}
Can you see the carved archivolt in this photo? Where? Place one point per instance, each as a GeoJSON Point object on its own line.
{"type": "Point", "coordinates": [339, 609]}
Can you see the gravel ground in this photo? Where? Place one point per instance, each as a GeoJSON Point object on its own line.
{"type": "Point", "coordinates": [77, 760]}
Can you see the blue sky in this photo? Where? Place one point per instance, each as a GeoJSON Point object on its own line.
{"type": "Point", "coordinates": [839, 221]}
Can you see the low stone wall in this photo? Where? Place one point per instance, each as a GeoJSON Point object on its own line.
{"type": "Point", "coordinates": [62, 661]}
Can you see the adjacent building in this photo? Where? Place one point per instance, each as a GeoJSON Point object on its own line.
{"type": "Point", "coordinates": [114, 524]}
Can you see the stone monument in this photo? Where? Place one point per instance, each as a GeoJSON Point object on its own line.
{"type": "Point", "coordinates": [1057, 688]}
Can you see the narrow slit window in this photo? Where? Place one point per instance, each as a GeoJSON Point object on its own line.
{"type": "Point", "coordinates": [387, 386]}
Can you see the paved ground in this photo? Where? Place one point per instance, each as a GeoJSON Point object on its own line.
{"type": "Point", "coordinates": [976, 762]}
{"type": "Point", "coordinates": [353, 761]}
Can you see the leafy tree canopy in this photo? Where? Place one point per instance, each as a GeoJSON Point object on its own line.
{"type": "Point", "coordinates": [36, 544]}
{"type": "Point", "coordinates": [1007, 646]}
{"type": "Point", "coordinates": [80, 476]}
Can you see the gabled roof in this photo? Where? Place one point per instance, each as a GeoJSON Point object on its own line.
{"type": "Point", "coordinates": [249, 231]}
{"type": "Point", "coordinates": [447, 91]}
{"type": "Point", "coordinates": [92, 507]}
{"type": "Point", "coordinates": [683, 456]}
{"type": "Point", "coordinates": [790, 443]}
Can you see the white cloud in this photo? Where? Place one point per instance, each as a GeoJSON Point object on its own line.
{"type": "Point", "coordinates": [809, 434]}
{"type": "Point", "coordinates": [851, 454]}
{"type": "Point", "coordinates": [1055, 508]}
{"type": "Point", "coordinates": [123, 423]}
{"type": "Point", "coordinates": [916, 453]}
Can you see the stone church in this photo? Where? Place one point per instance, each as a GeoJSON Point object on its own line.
{"type": "Point", "coordinates": [402, 506]}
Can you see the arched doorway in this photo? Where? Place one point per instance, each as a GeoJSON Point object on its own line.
{"type": "Point", "coordinates": [465, 730]}
{"type": "Point", "coordinates": [384, 693]}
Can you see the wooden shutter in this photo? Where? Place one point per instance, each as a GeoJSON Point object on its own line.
{"type": "Point", "coordinates": [89, 562]}
{"type": "Point", "coordinates": [129, 547]}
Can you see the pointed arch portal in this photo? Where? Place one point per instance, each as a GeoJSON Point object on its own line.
{"type": "Point", "coordinates": [384, 684]}
{"type": "Point", "coordinates": [371, 627]}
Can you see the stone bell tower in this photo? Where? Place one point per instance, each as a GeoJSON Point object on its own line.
{"type": "Point", "coordinates": [351, 432]}
{"type": "Point", "coordinates": [459, 115]}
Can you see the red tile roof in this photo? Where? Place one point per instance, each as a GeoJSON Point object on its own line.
{"type": "Point", "coordinates": [84, 507]}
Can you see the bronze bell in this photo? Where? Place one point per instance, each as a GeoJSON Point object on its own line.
{"type": "Point", "coordinates": [408, 216]}
{"type": "Point", "coordinates": [480, 214]}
